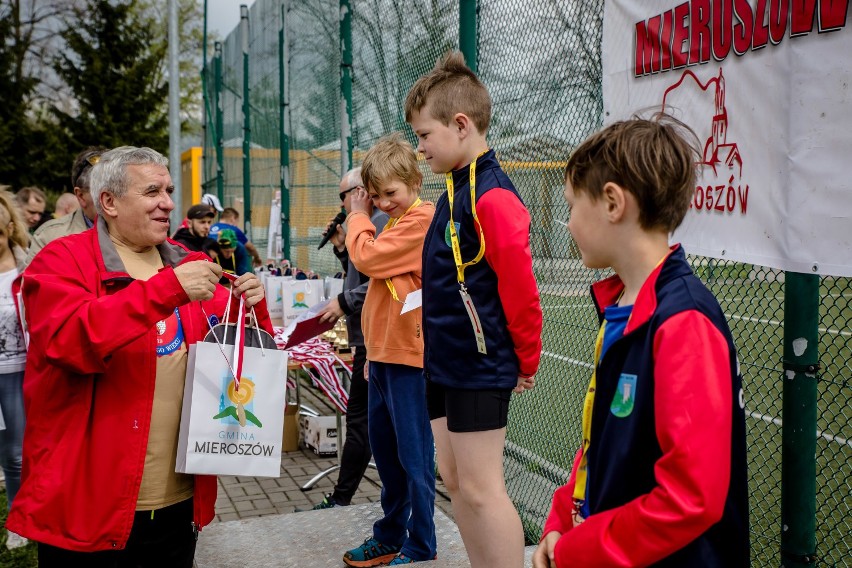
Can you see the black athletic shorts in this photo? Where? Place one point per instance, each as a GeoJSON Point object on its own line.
{"type": "Point", "coordinates": [468, 410]}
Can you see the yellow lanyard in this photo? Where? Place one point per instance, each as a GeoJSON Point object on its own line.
{"type": "Point", "coordinates": [588, 405]}
{"type": "Point", "coordinates": [392, 223]}
{"type": "Point", "coordinates": [454, 237]}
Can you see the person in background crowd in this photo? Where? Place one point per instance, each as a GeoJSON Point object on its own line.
{"type": "Point", "coordinates": [242, 262]}
{"type": "Point", "coordinates": [13, 353]}
{"type": "Point", "coordinates": [111, 312]}
{"type": "Point", "coordinates": [356, 448]}
{"type": "Point", "coordinates": [195, 236]}
{"type": "Point", "coordinates": [228, 219]}
{"type": "Point", "coordinates": [65, 205]}
{"type": "Point", "coordinates": [31, 202]}
{"type": "Point", "coordinates": [82, 218]}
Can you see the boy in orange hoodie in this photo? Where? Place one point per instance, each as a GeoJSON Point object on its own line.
{"type": "Point", "coordinates": [398, 422]}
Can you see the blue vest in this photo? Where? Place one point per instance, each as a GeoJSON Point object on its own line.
{"type": "Point", "coordinates": [451, 357]}
{"type": "Point", "coordinates": [624, 448]}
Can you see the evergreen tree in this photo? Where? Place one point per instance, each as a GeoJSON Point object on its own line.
{"type": "Point", "coordinates": [16, 89]}
{"type": "Point", "coordinates": [112, 65]}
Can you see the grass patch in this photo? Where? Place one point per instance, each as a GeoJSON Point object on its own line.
{"type": "Point", "coordinates": [23, 557]}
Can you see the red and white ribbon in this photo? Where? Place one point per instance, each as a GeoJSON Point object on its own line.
{"type": "Point", "coordinates": [319, 355]}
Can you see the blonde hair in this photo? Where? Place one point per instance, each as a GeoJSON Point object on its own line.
{"type": "Point", "coordinates": [9, 214]}
{"type": "Point", "coordinates": [391, 158]}
{"type": "Point", "coordinates": [451, 88]}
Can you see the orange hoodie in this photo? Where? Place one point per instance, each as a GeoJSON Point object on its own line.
{"type": "Point", "coordinates": [396, 255]}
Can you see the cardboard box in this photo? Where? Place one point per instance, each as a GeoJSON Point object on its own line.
{"type": "Point", "coordinates": [290, 437]}
{"type": "Point", "coordinates": [319, 433]}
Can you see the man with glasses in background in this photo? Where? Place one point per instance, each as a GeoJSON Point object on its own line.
{"type": "Point", "coordinates": [356, 447]}
{"type": "Point", "coordinates": [81, 219]}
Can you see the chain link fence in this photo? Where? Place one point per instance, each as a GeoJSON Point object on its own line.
{"type": "Point", "coordinates": [542, 64]}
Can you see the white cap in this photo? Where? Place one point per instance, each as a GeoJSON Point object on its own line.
{"type": "Point", "coordinates": [212, 201]}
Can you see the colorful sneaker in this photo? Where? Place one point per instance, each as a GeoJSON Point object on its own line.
{"type": "Point", "coordinates": [371, 553]}
{"type": "Point", "coordinates": [327, 502]}
{"type": "Point", "coordinates": [403, 559]}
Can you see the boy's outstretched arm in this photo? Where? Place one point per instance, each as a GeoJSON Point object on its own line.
{"type": "Point", "coordinates": [693, 413]}
{"type": "Point", "coordinates": [506, 224]}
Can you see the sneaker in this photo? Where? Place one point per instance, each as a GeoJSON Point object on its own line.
{"type": "Point", "coordinates": [327, 502]}
{"type": "Point", "coordinates": [371, 553]}
{"type": "Point", "coordinates": [14, 540]}
{"type": "Point", "coordinates": [403, 559]}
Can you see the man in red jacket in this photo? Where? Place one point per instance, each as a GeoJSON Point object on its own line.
{"type": "Point", "coordinates": [111, 312]}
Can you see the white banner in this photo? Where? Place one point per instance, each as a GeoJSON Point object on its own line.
{"type": "Point", "coordinates": [767, 87]}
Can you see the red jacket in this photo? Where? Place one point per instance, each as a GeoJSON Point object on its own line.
{"type": "Point", "coordinates": [89, 389]}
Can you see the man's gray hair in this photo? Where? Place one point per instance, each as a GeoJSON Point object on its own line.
{"type": "Point", "coordinates": [353, 177]}
{"type": "Point", "coordinates": [110, 173]}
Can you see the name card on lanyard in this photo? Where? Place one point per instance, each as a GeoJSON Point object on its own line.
{"type": "Point", "coordinates": [457, 257]}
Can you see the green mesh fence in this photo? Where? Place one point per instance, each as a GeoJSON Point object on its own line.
{"type": "Point", "coordinates": [542, 65]}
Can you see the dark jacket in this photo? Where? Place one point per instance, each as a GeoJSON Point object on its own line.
{"type": "Point", "coordinates": [502, 286]}
{"type": "Point", "coordinates": [193, 242]}
{"type": "Point", "coordinates": [667, 478]}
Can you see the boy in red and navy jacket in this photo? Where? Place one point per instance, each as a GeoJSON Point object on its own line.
{"type": "Point", "coordinates": [661, 477]}
{"type": "Point", "coordinates": [481, 310]}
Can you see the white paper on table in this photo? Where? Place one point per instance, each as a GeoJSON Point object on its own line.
{"type": "Point", "coordinates": [413, 301]}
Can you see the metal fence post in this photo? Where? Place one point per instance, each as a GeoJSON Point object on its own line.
{"type": "Point", "coordinates": [345, 86]}
{"type": "Point", "coordinates": [468, 27]}
{"type": "Point", "coordinates": [799, 416]}
{"type": "Point", "coordinates": [284, 129]}
{"type": "Point", "coordinates": [244, 33]}
{"type": "Point", "coordinates": [205, 103]}
{"type": "Point", "coordinates": [220, 121]}
{"type": "Point", "coordinates": [174, 114]}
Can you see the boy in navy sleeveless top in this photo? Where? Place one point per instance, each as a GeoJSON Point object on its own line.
{"type": "Point", "coordinates": [481, 310]}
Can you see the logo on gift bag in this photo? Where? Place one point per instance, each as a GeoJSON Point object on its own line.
{"type": "Point", "coordinates": [228, 414]}
{"type": "Point", "coordinates": [299, 300]}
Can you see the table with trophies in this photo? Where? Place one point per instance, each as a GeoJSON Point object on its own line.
{"type": "Point", "coordinates": [327, 361]}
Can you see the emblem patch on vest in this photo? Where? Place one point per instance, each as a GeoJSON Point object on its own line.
{"type": "Point", "coordinates": [625, 396]}
{"type": "Point", "coordinates": [447, 233]}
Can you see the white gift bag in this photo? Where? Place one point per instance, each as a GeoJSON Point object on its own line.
{"type": "Point", "coordinates": [274, 304]}
{"type": "Point", "coordinates": [333, 287]}
{"type": "Point", "coordinates": [297, 296]}
{"type": "Point", "coordinates": [227, 429]}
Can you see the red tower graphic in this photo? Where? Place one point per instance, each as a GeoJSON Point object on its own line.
{"type": "Point", "coordinates": [717, 149]}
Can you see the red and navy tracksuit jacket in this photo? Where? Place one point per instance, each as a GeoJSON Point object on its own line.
{"type": "Point", "coordinates": [667, 481]}
{"type": "Point", "coordinates": [502, 286]}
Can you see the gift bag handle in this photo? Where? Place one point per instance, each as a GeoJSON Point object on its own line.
{"type": "Point", "coordinates": [236, 367]}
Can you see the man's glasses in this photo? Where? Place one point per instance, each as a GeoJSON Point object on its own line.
{"type": "Point", "coordinates": [345, 191]}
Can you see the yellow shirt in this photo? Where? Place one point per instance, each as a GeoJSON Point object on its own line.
{"type": "Point", "coordinates": [161, 486]}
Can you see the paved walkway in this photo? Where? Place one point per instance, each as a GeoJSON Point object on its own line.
{"type": "Point", "coordinates": [256, 524]}
{"type": "Point", "coordinates": [313, 539]}
{"type": "Point", "coordinates": [247, 497]}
